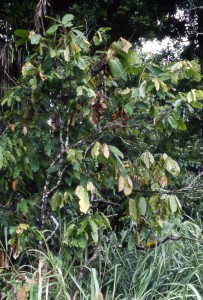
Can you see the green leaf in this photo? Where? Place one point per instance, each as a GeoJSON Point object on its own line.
{"type": "Point", "coordinates": [181, 124]}
{"type": "Point", "coordinates": [142, 205]}
{"type": "Point", "coordinates": [118, 69]}
{"type": "Point", "coordinates": [106, 221]}
{"type": "Point", "coordinates": [116, 151]}
{"type": "Point", "coordinates": [133, 209]}
{"type": "Point", "coordinates": [173, 203]}
{"type": "Point", "coordinates": [53, 28]}
{"type": "Point", "coordinates": [84, 202]}
{"type": "Point", "coordinates": [23, 205]}
{"type": "Point", "coordinates": [57, 201]}
{"type": "Point", "coordinates": [171, 165]}
{"type": "Point", "coordinates": [153, 202]}
{"type": "Point", "coordinates": [147, 158]}
{"type": "Point", "coordinates": [67, 19]}
{"type": "Point", "coordinates": [142, 89]}
{"type": "Point", "coordinates": [94, 232]}
{"type": "Point", "coordinates": [35, 38]}
{"type": "Point", "coordinates": [22, 33]}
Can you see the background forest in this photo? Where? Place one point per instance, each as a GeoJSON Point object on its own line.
{"type": "Point", "coordinates": [101, 157]}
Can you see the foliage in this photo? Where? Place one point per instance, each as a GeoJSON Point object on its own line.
{"type": "Point", "coordinates": [75, 148]}
{"type": "Point", "coordinates": [120, 272]}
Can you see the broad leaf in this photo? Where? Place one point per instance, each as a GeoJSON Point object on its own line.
{"type": "Point", "coordinates": [84, 202]}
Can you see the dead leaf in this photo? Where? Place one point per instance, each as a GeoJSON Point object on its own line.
{"type": "Point", "coordinates": [21, 294]}
{"type": "Point", "coordinates": [163, 181]}
{"type": "Point", "coordinates": [4, 263]}
{"type": "Point", "coordinates": [98, 107]}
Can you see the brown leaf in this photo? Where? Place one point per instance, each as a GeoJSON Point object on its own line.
{"type": "Point", "coordinates": [21, 294]}
{"type": "Point", "coordinates": [163, 181]}
{"type": "Point", "coordinates": [119, 119]}
{"type": "Point", "coordinates": [98, 108]}
{"type": "Point", "coordinates": [4, 263]}
{"type": "Point", "coordinates": [42, 76]}
{"type": "Point", "coordinates": [11, 127]}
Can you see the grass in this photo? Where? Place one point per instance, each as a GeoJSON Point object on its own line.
{"type": "Point", "coordinates": [173, 270]}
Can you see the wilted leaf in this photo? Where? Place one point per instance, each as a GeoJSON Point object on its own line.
{"type": "Point", "coordinates": [128, 186]}
{"type": "Point", "coordinates": [125, 45]}
{"type": "Point", "coordinates": [98, 107]}
{"type": "Point", "coordinates": [4, 262]}
{"type": "Point", "coordinates": [105, 150]}
{"type": "Point", "coordinates": [163, 181]}
{"type": "Point", "coordinates": [21, 294]}
{"type": "Point", "coordinates": [90, 187]}
{"type": "Point", "coordinates": [84, 202]}
{"type": "Point", "coordinates": [121, 182]}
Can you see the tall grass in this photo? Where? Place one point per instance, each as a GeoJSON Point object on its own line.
{"type": "Point", "coordinates": [173, 270]}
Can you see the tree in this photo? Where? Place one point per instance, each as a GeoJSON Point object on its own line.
{"type": "Point", "coordinates": [59, 145]}
{"type": "Point", "coordinates": [82, 143]}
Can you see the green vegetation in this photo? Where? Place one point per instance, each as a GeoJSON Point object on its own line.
{"type": "Point", "coordinates": [100, 168]}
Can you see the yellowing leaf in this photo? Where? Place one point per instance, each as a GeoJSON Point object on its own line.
{"type": "Point", "coordinates": [95, 150]}
{"type": "Point", "coordinates": [25, 130]}
{"type": "Point", "coordinates": [105, 150]}
{"type": "Point", "coordinates": [125, 45]}
{"type": "Point", "coordinates": [128, 186]}
{"type": "Point", "coordinates": [121, 182]}
{"type": "Point", "coordinates": [84, 202]}
{"type": "Point", "coordinates": [150, 244]}
{"type": "Point", "coordinates": [22, 227]}
{"type": "Point", "coordinates": [90, 187]}
{"type": "Point", "coordinates": [110, 54]}
{"type": "Point", "coordinates": [156, 83]}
